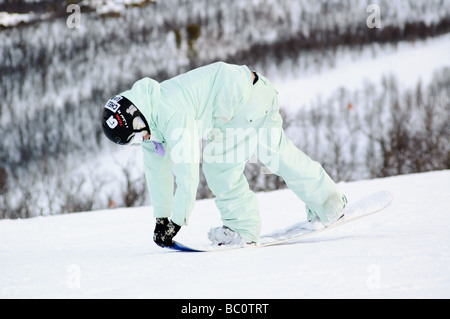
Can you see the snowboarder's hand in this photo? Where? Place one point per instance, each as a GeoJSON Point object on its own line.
{"type": "Point", "coordinates": [165, 231]}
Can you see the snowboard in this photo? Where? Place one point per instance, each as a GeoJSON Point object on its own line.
{"type": "Point", "coordinates": [364, 207]}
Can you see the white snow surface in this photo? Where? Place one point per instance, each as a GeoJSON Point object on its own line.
{"type": "Point", "coordinates": [401, 252]}
{"type": "Point", "coordinates": [410, 62]}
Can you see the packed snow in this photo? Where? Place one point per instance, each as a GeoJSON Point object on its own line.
{"type": "Point", "coordinates": [401, 252]}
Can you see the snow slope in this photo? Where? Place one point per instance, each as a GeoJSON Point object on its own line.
{"type": "Point", "coordinates": [402, 252]}
{"type": "Point", "coordinates": [410, 62]}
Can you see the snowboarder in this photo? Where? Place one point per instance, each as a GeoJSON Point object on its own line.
{"type": "Point", "coordinates": [235, 110]}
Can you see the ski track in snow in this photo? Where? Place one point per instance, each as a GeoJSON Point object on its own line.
{"type": "Point", "coordinates": [401, 252]}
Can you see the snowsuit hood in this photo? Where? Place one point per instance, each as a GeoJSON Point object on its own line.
{"type": "Point", "coordinates": [145, 95]}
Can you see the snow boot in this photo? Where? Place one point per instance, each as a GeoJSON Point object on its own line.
{"type": "Point", "coordinates": [336, 212]}
{"type": "Point", "coordinates": [225, 236]}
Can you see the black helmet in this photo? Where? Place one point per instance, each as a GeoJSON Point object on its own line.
{"type": "Point", "coordinates": [122, 120]}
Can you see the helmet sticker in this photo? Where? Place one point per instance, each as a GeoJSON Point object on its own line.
{"type": "Point", "coordinates": [112, 122]}
{"type": "Point", "coordinates": [131, 109]}
{"type": "Point", "coordinates": [113, 104]}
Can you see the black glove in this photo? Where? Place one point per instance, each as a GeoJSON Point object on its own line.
{"type": "Point", "coordinates": [165, 231]}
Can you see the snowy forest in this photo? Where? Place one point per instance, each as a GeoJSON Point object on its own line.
{"type": "Point", "coordinates": [55, 79]}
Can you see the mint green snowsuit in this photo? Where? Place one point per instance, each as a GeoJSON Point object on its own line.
{"type": "Point", "coordinates": [219, 106]}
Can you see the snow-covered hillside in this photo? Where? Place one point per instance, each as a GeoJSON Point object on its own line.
{"type": "Point", "coordinates": [401, 252]}
{"type": "Point", "coordinates": [410, 63]}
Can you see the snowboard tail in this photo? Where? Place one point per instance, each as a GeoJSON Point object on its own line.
{"type": "Point", "coordinates": [367, 206]}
